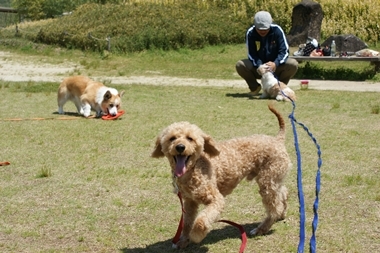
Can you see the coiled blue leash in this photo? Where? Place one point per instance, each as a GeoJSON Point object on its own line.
{"type": "Point", "coordinates": [313, 239]}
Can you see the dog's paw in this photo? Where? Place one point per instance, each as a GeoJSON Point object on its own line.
{"type": "Point", "coordinates": [257, 231]}
{"type": "Point", "coordinates": [182, 243]}
{"type": "Point", "coordinates": [253, 232]}
{"type": "Point", "coordinates": [199, 231]}
{"type": "Point", "coordinates": [279, 98]}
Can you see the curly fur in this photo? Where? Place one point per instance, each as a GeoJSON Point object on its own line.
{"type": "Point", "coordinates": [272, 88]}
{"type": "Point", "coordinates": [206, 171]}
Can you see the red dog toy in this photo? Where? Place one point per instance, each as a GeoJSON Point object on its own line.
{"type": "Point", "coordinates": [110, 117]}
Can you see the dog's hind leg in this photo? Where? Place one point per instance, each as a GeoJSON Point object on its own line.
{"type": "Point", "coordinates": [284, 200]}
{"type": "Point", "coordinates": [61, 100]}
{"type": "Point", "coordinates": [61, 103]}
{"type": "Point", "coordinates": [280, 97]}
{"type": "Point", "coordinates": [208, 216]}
{"type": "Point", "coordinates": [274, 197]}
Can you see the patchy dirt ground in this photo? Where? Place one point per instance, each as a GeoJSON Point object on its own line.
{"type": "Point", "coordinates": [24, 70]}
{"type": "Point", "coordinates": [18, 70]}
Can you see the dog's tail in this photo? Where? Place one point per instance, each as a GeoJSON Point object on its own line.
{"type": "Point", "coordinates": [281, 121]}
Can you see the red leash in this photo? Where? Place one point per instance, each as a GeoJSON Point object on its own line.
{"type": "Point", "coordinates": [240, 227]}
{"type": "Point", "coordinates": [242, 232]}
{"type": "Point", "coordinates": [180, 225]}
{"type": "Point", "coordinates": [104, 117]}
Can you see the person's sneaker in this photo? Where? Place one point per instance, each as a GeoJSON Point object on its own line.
{"type": "Point", "coordinates": [255, 92]}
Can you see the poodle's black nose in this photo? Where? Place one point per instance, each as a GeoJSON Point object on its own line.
{"type": "Point", "coordinates": [180, 148]}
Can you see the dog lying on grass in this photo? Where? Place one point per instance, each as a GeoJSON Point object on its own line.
{"type": "Point", "coordinates": [88, 95]}
{"type": "Point", "coordinates": [206, 171]}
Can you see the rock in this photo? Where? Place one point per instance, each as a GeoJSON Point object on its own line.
{"type": "Point", "coordinates": [306, 22]}
{"type": "Point", "coordinates": [345, 43]}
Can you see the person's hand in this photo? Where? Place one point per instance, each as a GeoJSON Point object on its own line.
{"type": "Point", "coordinates": [316, 53]}
{"type": "Point", "coordinates": [271, 65]}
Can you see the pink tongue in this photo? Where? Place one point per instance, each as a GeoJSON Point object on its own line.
{"type": "Point", "coordinates": [180, 167]}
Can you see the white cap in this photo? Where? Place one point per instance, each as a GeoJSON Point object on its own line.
{"type": "Point", "coordinates": [262, 20]}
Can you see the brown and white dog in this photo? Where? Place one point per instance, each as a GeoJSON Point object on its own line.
{"type": "Point", "coordinates": [87, 94]}
{"type": "Point", "coordinates": [272, 87]}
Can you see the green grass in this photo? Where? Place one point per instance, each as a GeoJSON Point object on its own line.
{"type": "Point", "coordinates": [88, 185]}
{"type": "Point", "coordinates": [376, 109]}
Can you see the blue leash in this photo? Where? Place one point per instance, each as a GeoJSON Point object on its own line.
{"type": "Point", "coordinates": [313, 239]}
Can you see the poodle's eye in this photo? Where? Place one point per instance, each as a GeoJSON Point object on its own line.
{"type": "Point", "coordinates": [172, 139]}
{"type": "Point", "coordinates": [189, 138]}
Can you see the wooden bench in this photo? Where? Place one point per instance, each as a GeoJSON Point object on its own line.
{"type": "Point", "coordinates": [373, 60]}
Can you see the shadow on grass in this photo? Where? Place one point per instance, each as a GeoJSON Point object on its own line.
{"type": "Point", "coordinates": [239, 95]}
{"type": "Point", "coordinates": [69, 114]}
{"type": "Point", "coordinates": [242, 95]}
{"type": "Point", "coordinates": [213, 237]}
{"type": "Point", "coordinates": [245, 95]}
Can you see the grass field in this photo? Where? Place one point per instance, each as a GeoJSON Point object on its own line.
{"type": "Point", "coordinates": [88, 185]}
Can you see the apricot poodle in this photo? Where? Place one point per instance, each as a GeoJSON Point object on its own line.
{"type": "Point", "coordinates": [205, 172]}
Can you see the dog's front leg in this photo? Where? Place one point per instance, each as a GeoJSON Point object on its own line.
{"type": "Point", "coordinates": [99, 113]}
{"type": "Point", "coordinates": [209, 215]}
{"type": "Point", "coordinates": [86, 109]}
{"type": "Point", "coordinates": [191, 210]}
{"type": "Point", "coordinates": [78, 105]}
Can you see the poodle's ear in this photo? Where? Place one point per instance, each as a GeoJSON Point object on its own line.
{"type": "Point", "coordinates": [157, 152]}
{"type": "Point", "coordinates": [210, 146]}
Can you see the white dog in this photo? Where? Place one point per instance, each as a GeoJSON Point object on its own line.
{"type": "Point", "coordinates": [272, 87]}
{"type": "Point", "coordinates": [88, 94]}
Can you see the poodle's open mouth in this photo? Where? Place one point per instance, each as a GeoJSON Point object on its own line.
{"type": "Point", "coordinates": [180, 167]}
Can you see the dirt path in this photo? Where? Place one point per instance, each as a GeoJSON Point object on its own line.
{"type": "Point", "coordinates": [23, 70]}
